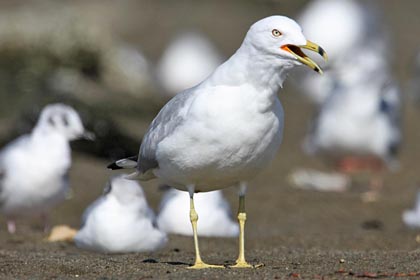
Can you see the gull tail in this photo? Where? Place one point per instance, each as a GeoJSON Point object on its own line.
{"type": "Point", "coordinates": [125, 163]}
{"type": "Point", "coordinates": [131, 163]}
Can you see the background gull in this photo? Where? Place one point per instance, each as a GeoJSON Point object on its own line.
{"type": "Point", "coordinates": [34, 168]}
{"type": "Point", "coordinates": [358, 126]}
{"type": "Point", "coordinates": [189, 58]}
{"type": "Point", "coordinates": [120, 221]}
{"type": "Point", "coordinates": [214, 212]}
{"type": "Point", "coordinates": [358, 94]}
{"type": "Point", "coordinates": [225, 130]}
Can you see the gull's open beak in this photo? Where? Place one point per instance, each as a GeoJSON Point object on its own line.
{"type": "Point", "coordinates": [303, 58]}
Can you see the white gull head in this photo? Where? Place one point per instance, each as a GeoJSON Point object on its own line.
{"type": "Point", "coordinates": [271, 47]}
{"type": "Point", "coordinates": [64, 120]}
{"type": "Point", "coordinates": [270, 34]}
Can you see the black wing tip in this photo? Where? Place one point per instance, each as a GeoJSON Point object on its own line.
{"type": "Point", "coordinates": [114, 166]}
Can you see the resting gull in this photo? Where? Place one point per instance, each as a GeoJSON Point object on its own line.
{"type": "Point", "coordinates": [358, 126]}
{"type": "Point", "coordinates": [120, 221]}
{"type": "Point", "coordinates": [225, 130]}
{"type": "Point", "coordinates": [216, 220]}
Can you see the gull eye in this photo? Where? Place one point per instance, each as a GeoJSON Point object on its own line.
{"type": "Point", "coordinates": [65, 120]}
{"type": "Point", "coordinates": [276, 33]}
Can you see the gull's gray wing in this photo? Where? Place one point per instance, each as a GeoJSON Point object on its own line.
{"type": "Point", "coordinates": [166, 122]}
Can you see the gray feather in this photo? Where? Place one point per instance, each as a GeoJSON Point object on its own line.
{"type": "Point", "coordinates": [166, 122]}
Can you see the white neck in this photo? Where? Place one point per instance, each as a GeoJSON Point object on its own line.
{"type": "Point", "coordinates": [265, 72]}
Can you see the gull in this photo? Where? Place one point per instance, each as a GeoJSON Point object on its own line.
{"type": "Point", "coordinates": [358, 126]}
{"type": "Point", "coordinates": [34, 168]}
{"type": "Point", "coordinates": [214, 212]}
{"type": "Point", "coordinates": [188, 59]}
{"type": "Point", "coordinates": [225, 130]}
{"type": "Point", "coordinates": [120, 221]}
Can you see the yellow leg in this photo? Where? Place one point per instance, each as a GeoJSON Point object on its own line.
{"type": "Point", "coordinates": [199, 264]}
{"type": "Point", "coordinates": [241, 262]}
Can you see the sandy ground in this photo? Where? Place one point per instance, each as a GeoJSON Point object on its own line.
{"type": "Point", "coordinates": [294, 233]}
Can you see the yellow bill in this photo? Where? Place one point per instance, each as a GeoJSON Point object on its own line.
{"type": "Point", "coordinates": [303, 58]}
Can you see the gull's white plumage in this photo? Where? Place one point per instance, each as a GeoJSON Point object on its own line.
{"type": "Point", "coordinates": [34, 167]}
{"type": "Point", "coordinates": [120, 221]}
{"type": "Point", "coordinates": [188, 59]}
{"type": "Point", "coordinates": [229, 127]}
{"type": "Point", "coordinates": [215, 216]}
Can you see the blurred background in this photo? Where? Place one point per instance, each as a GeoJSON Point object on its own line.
{"type": "Point", "coordinates": [107, 59]}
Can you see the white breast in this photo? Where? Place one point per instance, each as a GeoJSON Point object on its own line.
{"type": "Point", "coordinates": [34, 175]}
{"type": "Point", "coordinates": [231, 134]}
{"type": "Point", "coordinates": [215, 215]}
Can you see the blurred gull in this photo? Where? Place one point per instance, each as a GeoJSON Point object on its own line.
{"type": "Point", "coordinates": [411, 218]}
{"type": "Point", "coordinates": [362, 104]}
{"type": "Point", "coordinates": [214, 212]}
{"type": "Point", "coordinates": [188, 60]}
{"type": "Point", "coordinates": [358, 125]}
{"type": "Point", "coordinates": [225, 130]}
{"type": "Point", "coordinates": [120, 221]}
{"type": "Point", "coordinates": [355, 24]}
{"type": "Point", "coordinates": [128, 71]}
{"type": "Point", "coordinates": [34, 168]}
